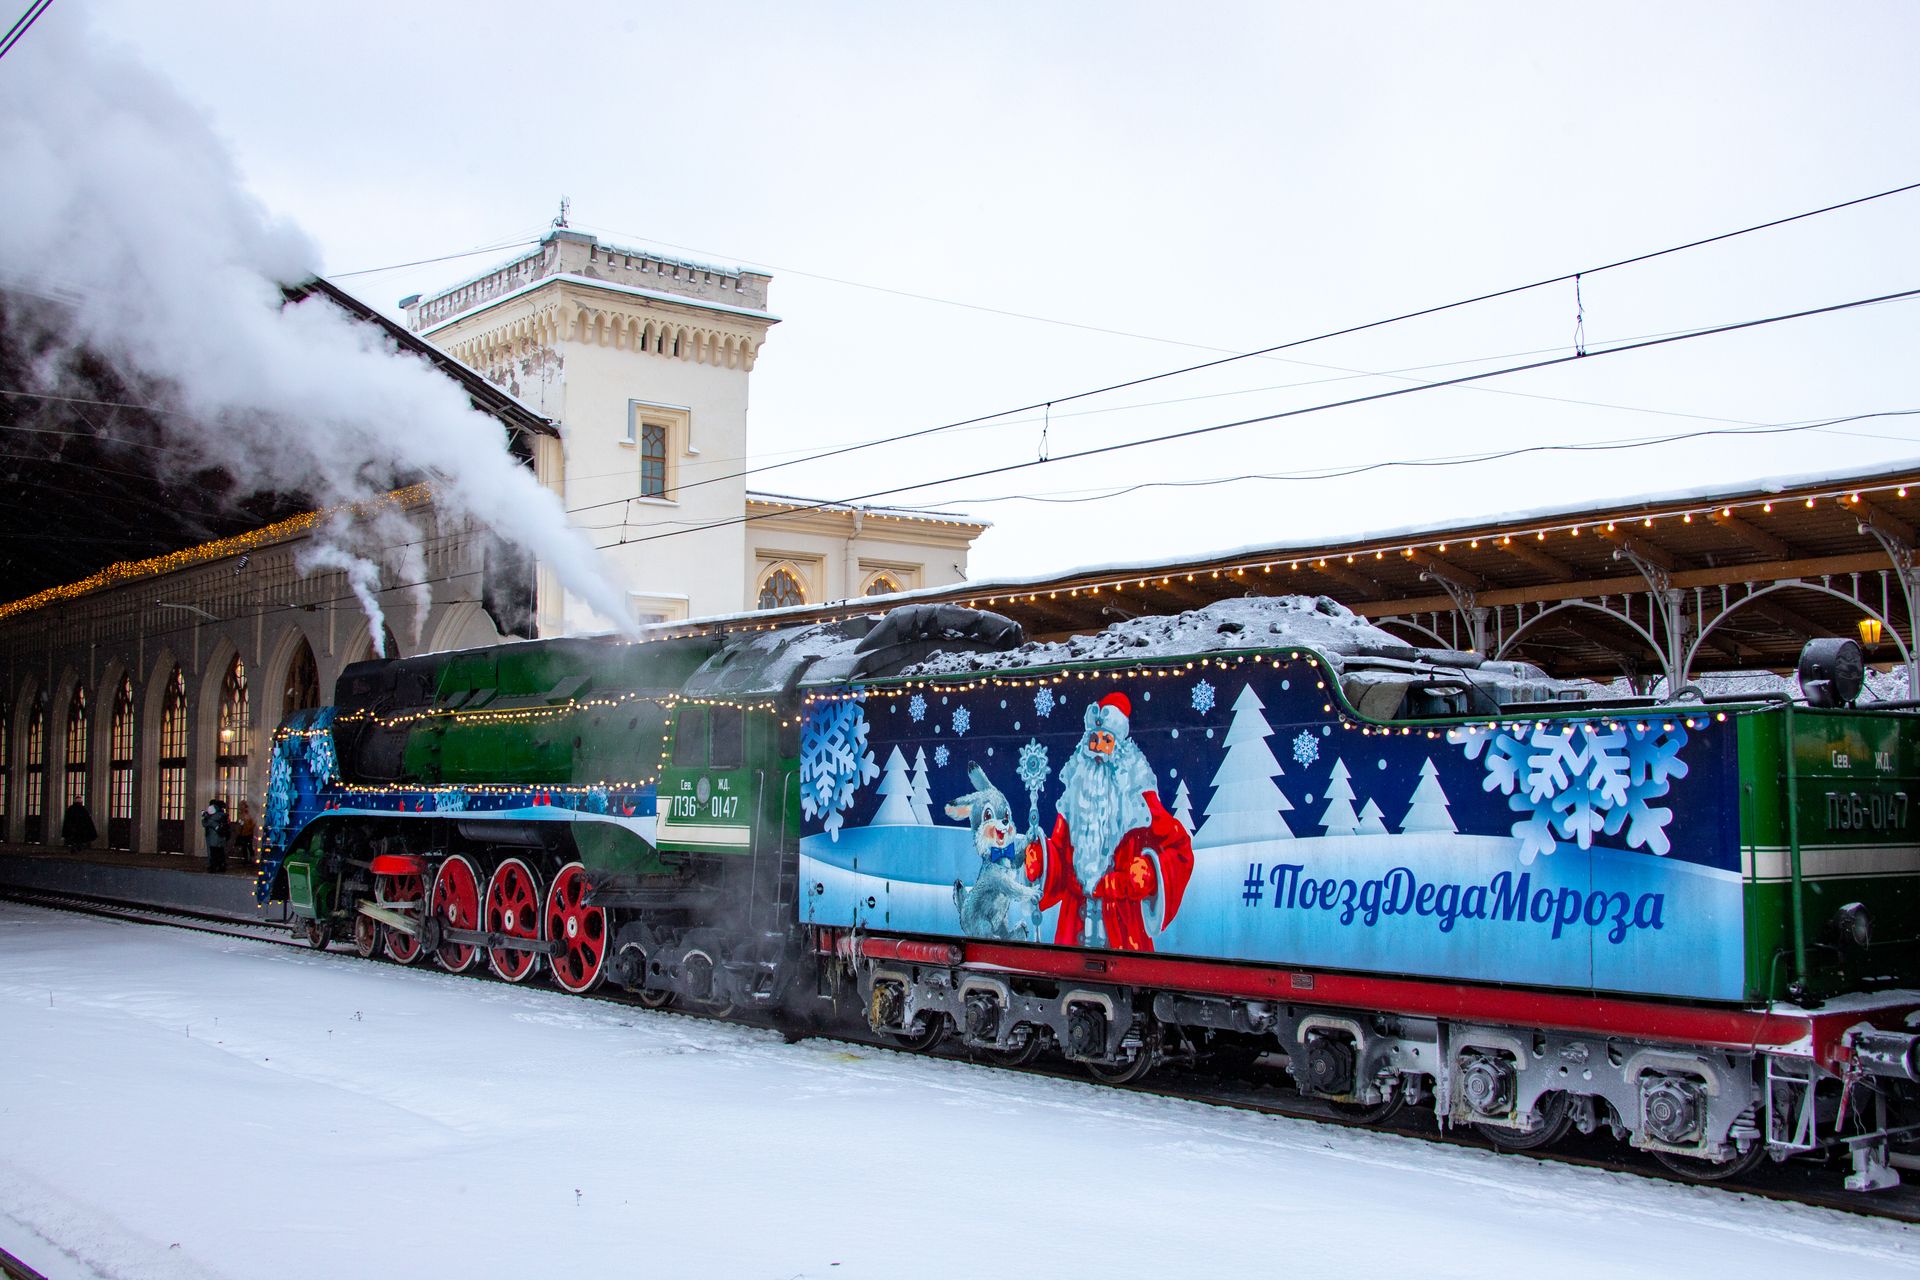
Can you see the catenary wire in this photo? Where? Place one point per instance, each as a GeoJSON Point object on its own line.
{"type": "Point", "coordinates": [1590, 354]}
{"type": "Point", "coordinates": [1361, 468]}
{"type": "Point", "coordinates": [1321, 337]}
{"type": "Point", "coordinates": [22, 24]}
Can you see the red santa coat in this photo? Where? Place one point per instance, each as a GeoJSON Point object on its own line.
{"type": "Point", "coordinates": [1129, 883]}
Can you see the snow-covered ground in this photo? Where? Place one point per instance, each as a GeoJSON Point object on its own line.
{"type": "Point", "coordinates": [179, 1105]}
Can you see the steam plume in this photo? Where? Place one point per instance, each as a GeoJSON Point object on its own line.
{"type": "Point", "coordinates": [118, 196]}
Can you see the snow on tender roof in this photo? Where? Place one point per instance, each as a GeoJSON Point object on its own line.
{"type": "Point", "coordinates": [1248, 622]}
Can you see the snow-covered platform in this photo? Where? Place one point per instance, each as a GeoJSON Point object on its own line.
{"type": "Point", "coordinates": [157, 880]}
{"type": "Point", "coordinates": [177, 1105]}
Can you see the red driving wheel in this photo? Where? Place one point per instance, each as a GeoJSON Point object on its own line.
{"type": "Point", "coordinates": [456, 905]}
{"type": "Point", "coordinates": [581, 930]}
{"type": "Point", "coordinates": [403, 892]}
{"type": "Point", "coordinates": [513, 908]}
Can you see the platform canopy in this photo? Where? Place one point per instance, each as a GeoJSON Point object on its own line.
{"type": "Point", "coordinates": [83, 478]}
{"type": "Point", "coordinates": [1673, 586]}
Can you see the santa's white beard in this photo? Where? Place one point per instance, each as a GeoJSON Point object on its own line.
{"type": "Point", "coordinates": [1102, 802]}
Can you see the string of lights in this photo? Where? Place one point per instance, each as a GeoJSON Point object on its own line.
{"type": "Point", "coordinates": [1271, 567]}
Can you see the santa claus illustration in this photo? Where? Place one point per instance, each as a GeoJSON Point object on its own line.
{"type": "Point", "coordinates": [1116, 861]}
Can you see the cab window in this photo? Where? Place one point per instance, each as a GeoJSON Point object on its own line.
{"type": "Point", "coordinates": [727, 733]}
{"type": "Point", "coordinates": [690, 737]}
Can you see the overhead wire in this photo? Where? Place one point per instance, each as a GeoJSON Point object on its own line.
{"type": "Point", "coordinates": [22, 24]}
{"type": "Point", "coordinates": [1592, 353]}
{"type": "Point", "coordinates": [517, 243]}
{"type": "Point", "coordinates": [1419, 313]}
{"type": "Point", "coordinates": [1346, 471]}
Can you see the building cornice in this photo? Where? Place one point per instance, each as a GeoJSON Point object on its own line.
{"type": "Point", "coordinates": [577, 310]}
{"type": "Point", "coordinates": [761, 320]}
{"type": "Point", "coordinates": [777, 516]}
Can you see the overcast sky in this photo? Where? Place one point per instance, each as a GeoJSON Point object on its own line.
{"type": "Point", "coordinates": [1232, 178]}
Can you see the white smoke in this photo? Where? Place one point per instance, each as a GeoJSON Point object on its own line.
{"type": "Point", "coordinates": [118, 197]}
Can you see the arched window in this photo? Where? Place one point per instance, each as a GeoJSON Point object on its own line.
{"type": "Point", "coordinates": [120, 768]}
{"type": "Point", "coordinates": [79, 752]}
{"type": "Point", "coordinates": [882, 585]}
{"type": "Point", "coordinates": [36, 797]}
{"type": "Point", "coordinates": [6, 772]}
{"type": "Point", "coordinates": [173, 765]}
{"type": "Point", "coordinates": [780, 589]}
{"type": "Point", "coordinates": [303, 682]}
{"type": "Point", "coordinates": [230, 756]}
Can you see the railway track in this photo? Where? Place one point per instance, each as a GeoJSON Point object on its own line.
{"type": "Point", "coordinates": [1261, 1089]}
{"type": "Point", "coordinates": [11, 1268]}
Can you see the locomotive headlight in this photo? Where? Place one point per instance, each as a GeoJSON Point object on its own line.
{"type": "Point", "coordinates": [1851, 923]}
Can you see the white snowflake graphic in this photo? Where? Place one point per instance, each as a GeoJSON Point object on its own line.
{"type": "Point", "coordinates": [834, 761]}
{"type": "Point", "coordinates": [1580, 782]}
{"type": "Point", "coordinates": [1203, 697]}
{"type": "Point", "coordinates": [962, 719]}
{"type": "Point", "coordinates": [1043, 702]}
{"type": "Point", "coordinates": [917, 707]}
{"type": "Point", "coordinates": [940, 756]}
{"type": "Point", "coordinates": [1033, 766]}
{"type": "Point", "coordinates": [1306, 747]}
{"type": "Point", "coordinates": [321, 759]}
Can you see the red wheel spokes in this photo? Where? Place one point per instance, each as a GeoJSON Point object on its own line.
{"type": "Point", "coordinates": [401, 891]}
{"type": "Point", "coordinates": [456, 904]}
{"type": "Point", "coordinates": [513, 908]}
{"type": "Point", "coordinates": [582, 930]}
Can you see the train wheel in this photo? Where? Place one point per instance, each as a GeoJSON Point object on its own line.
{"type": "Point", "coordinates": [1133, 1070]}
{"type": "Point", "coordinates": [1694, 1169]}
{"type": "Point", "coordinates": [456, 905]}
{"type": "Point", "coordinates": [1370, 1112]}
{"type": "Point", "coordinates": [1020, 1055]}
{"type": "Point", "coordinates": [1552, 1115]}
{"type": "Point", "coordinates": [652, 999]}
{"type": "Point", "coordinates": [581, 929]}
{"type": "Point", "coordinates": [403, 891]}
{"type": "Point", "coordinates": [513, 908]}
{"type": "Point", "coordinates": [318, 934]}
{"type": "Point", "coordinates": [366, 935]}
{"type": "Point", "coordinates": [927, 1032]}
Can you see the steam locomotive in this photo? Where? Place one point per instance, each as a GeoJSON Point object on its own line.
{"type": "Point", "coordinates": [1421, 877]}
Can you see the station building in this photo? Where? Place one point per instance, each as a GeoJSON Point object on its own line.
{"type": "Point", "coordinates": [643, 362]}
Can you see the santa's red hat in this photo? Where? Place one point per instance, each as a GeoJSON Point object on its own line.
{"type": "Point", "coordinates": [1114, 712]}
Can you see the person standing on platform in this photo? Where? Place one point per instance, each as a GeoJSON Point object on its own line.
{"type": "Point", "coordinates": [213, 821]}
{"type": "Point", "coordinates": [243, 833]}
{"type": "Point", "coordinates": [77, 829]}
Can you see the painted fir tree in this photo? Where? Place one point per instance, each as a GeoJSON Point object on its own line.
{"type": "Point", "coordinates": [922, 790]}
{"type": "Point", "coordinates": [1372, 821]}
{"type": "Point", "coordinates": [896, 809]}
{"type": "Point", "coordinates": [1246, 803]}
{"type": "Point", "coordinates": [1183, 806]}
{"type": "Point", "coordinates": [1338, 818]}
{"type": "Point", "coordinates": [1429, 810]}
